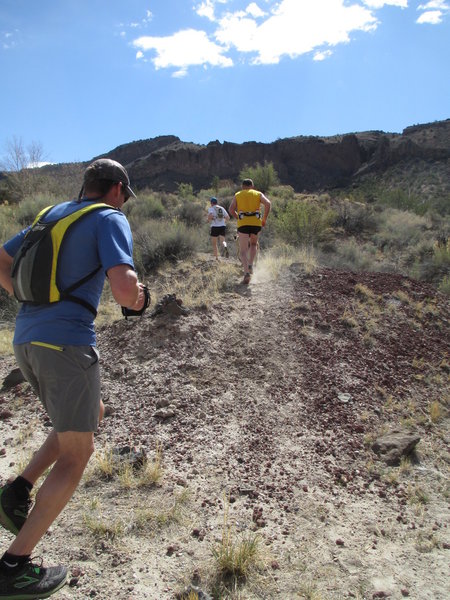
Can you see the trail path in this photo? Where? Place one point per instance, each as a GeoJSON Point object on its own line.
{"type": "Point", "coordinates": [265, 404]}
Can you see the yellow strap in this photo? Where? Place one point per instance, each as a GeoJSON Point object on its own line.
{"type": "Point", "coordinates": [50, 346]}
{"type": "Point", "coordinates": [57, 233]}
{"type": "Point", "coordinates": [41, 213]}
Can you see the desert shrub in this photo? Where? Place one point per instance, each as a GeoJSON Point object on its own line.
{"type": "Point", "coordinates": [191, 213]}
{"type": "Point", "coordinates": [444, 285]}
{"type": "Point", "coordinates": [27, 210]}
{"type": "Point", "coordinates": [264, 176]}
{"type": "Point", "coordinates": [355, 217]}
{"type": "Point", "coordinates": [169, 201]}
{"type": "Point", "coordinates": [8, 224]}
{"type": "Point", "coordinates": [284, 192]}
{"type": "Point", "coordinates": [8, 306]}
{"type": "Point", "coordinates": [350, 256]}
{"type": "Point", "coordinates": [157, 242]}
{"type": "Point", "coordinates": [399, 229]}
{"type": "Point", "coordinates": [402, 200]}
{"type": "Point", "coordinates": [146, 206]}
{"type": "Point", "coordinates": [434, 267]}
{"type": "Point", "coordinates": [303, 223]}
{"type": "Point", "coordinates": [185, 190]}
{"type": "Point", "coordinates": [228, 192]}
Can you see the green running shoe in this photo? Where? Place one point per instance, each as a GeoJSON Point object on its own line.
{"type": "Point", "coordinates": [31, 582]}
{"type": "Point", "coordinates": [13, 512]}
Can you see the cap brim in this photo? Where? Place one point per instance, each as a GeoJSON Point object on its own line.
{"type": "Point", "coordinates": [130, 191]}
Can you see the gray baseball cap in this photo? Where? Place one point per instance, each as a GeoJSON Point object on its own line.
{"type": "Point", "coordinates": [111, 170]}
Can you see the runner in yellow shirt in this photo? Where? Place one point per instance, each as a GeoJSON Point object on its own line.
{"type": "Point", "coordinates": [246, 207]}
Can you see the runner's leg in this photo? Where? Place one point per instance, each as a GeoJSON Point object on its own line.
{"type": "Point", "coordinates": [243, 249]}
{"type": "Point", "coordinates": [214, 246]}
{"type": "Point", "coordinates": [75, 449]}
{"type": "Point", "coordinates": [253, 248]}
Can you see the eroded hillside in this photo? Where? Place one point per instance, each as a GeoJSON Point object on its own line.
{"type": "Point", "coordinates": [266, 404]}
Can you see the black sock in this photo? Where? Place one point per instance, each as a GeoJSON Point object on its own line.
{"type": "Point", "coordinates": [22, 487]}
{"type": "Point", "coordinates": [10, 562]}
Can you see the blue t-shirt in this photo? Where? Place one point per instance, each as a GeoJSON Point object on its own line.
{"type": "Point", "coordinates": [101, 238]}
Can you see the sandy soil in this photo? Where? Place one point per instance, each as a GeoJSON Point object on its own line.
{"type": "Point", "coordinates": [265, 405]}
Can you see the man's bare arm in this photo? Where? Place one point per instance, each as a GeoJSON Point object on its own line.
{"type": "Point", "coordinates": [125, 287]}
{"type": "Point", "coordinates": [267, 205]}
{"type": "Point", "coordinates": [5, 271]}
{"type": "Point", "coordinates": [232, 210]}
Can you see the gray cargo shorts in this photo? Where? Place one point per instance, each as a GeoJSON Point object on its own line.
{"type": "Point", "coordinates": [67, 381]}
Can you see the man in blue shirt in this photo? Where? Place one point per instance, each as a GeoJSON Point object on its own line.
{"type": "Point", "coordinates": [55, 348]}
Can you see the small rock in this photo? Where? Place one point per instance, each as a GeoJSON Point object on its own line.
{"type": "Point", "coordinates": [339, 542]}
{"type": "Point", "coordinates": [12, 379]}
{"type": "Point", "coordinates": [172, 549]}
{"type": "Point", "coordinates": [392, 446]}
{"type": "Point", "coordinates": [109, 410]}
{"type": "Point", "coordinates": [344, 398]}
{"type": "Point", "coordinates": [164, 414]}
{"type": "Point", "coordinates": [404, 592]}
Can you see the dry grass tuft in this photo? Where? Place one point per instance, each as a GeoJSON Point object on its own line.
{"type": "Point", "coordinates": [6, 337]}
{"type": "Point", "coordinates": [235, 558]}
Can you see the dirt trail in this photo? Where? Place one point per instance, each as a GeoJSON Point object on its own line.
{"type": "Point", "coordinates": [264, 404]}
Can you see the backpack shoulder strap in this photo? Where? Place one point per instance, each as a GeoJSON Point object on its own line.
{"type": "Point", "coordinates": [58, 232]}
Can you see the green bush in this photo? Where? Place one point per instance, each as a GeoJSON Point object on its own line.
{"type": "Point", "coordinates": [191, 213]}
{"type": "Point", "coordinates": [350, 256]}
{"type": "Point", "coordinates": [146, 206]}
{"type": "Point", "coordinates": [185, 190]}
{"type": "Point", "coordinates": [27, 210]}
{"type": "Point", "coordinates": [355, 217]}
{"type": "Point", "coordinates": [157, 242]}
{"type": "Point", "coordinates": [444, 285]}
{"type": "Point", "coordinates": [303, 223]}
{"type": "Point", "coordinates": [264, 176]}
{"type": "Point", "coordinates": [402, 200]}
{"type": "Point", "coordinates": [283, 192]}
{"type": "Point", "coordinates": [8, 306]}
{"type": "Point", "coordinates": [9, 226]}
{"type": "Point", "coordinates": [399, 229]}
{"type": "Point", "coordinates": [435, 268]}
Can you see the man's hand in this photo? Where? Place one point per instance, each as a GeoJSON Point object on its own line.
{"type": "Point", "coordinates": [141, 304]}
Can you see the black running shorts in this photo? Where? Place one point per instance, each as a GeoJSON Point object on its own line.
{"type": "Point", "coordinates": [250, 229]}
{"type": "Point", "coordinates": [216, 231]}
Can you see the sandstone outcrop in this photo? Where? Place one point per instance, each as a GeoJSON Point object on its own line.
{"type": "Point", "coordinates": [305, 163]}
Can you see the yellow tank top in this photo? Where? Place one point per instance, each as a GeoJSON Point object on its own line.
{"type": "Point", "coordinates": [248, 201]}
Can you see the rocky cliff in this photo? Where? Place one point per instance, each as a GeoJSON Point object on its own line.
{"type": "Point", "coordinates": [305, 163]}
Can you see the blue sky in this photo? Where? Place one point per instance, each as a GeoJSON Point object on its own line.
{"type": "Point", "coordinates": [81, 77]}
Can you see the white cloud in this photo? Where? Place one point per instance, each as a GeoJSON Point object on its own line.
{"type": "Point", "coordinates": [139, 55]}
{"type": "Point", "coordinates": [254, 10]}
{"type": "Point", "coordinates": [207, 8]}
{"type": "Point", "coordinates": [179, 74]}
{"type": "Point", "coordinates": [434, 4]}
{"type": "Point", "coordinates": [183, 49]}
{"type": "Point", "coordinates": [431, 17]}
{"type": "Point", "coordinates": [380, 3]}
{"type": "Point", "coordinates": [265, 31]}
{"type": "Point", "coordinates": [9, 39]}
{"type": "Point", "coordinates": [318, 56]}
{"type": "Point", "coordinates": [38, 165]}
{"type": "Point", "coordinates": [294, 28]}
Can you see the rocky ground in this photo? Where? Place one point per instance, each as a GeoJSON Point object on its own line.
{"type": "Point", "coordinates": [264, 407]}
